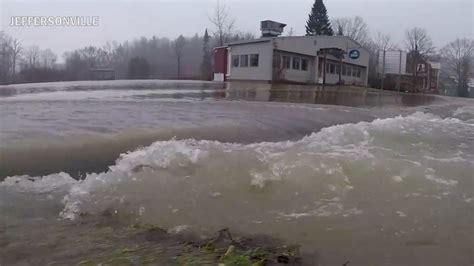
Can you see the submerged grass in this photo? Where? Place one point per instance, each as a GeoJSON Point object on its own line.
{"type": "Point", "coordinates": [149, 244]}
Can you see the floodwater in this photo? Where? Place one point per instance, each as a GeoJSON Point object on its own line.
{"type": "Point", "coordinates": [373, 178]}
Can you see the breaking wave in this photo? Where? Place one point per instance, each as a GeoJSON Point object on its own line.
{"type": "Point", "coordinates": [465, 113]}
{"type": "Point", "coordinates": [341, 171]}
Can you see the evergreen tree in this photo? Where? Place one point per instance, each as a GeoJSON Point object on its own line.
{"type": "Point", "coordinates": [318, 21]}
{"type": "Point", "coordinates": [206, 65]}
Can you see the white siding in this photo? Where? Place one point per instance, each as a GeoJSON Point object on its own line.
{"type": "Point", "coordinates": [310, 45]}
{"type": "Point", "coordinates": [296, 75]}
{"type": "Point", "coordinates": [392, 62]}
{"type": "Point", "coordinates": [264, 70]}
{"type": "Point", "coordinates": [306, 46]}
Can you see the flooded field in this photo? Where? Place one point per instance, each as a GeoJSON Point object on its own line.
{"type": "Point", "coordinates": [348, 174]}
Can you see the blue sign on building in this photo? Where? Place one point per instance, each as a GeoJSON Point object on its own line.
{"type": "Point", "coordinates": [354, 54]}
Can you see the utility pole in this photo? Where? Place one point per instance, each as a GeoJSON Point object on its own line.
{"type": "Point", "coordinates": [324, 68]}
{"type": "Point", "coordinates": [399, 81]}
{"type": "Point", "coordinates": [340, 67]}
{"type": "Point", "coordinates": [383, 69]}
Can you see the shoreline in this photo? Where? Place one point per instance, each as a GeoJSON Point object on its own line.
{"type": "Point", "coordinates": [123, 241]}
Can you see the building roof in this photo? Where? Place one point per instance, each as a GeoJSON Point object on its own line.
{"type": "Point", "coordinates": [267, 39]}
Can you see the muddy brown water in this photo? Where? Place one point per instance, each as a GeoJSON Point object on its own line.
{"type": "Point", "coordinates": [349, 174]}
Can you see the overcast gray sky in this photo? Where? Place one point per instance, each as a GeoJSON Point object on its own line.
{"type": "Point", "coordinates": [122, 20]}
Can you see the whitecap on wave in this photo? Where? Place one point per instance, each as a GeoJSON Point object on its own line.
{"type": "Point", "coordinates": [372, 162]}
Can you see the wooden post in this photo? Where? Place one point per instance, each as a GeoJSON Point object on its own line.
{"type": "Point", "coordinates": [399, 81]}
{"type": "Point", "coordinates": [340, 68]}
{"type": "Point", "coordinates": [428, 69]}
{"type": "Point", "coordinates": [324, 69]}
{"type": "Point", "coordinates": [383, 69]}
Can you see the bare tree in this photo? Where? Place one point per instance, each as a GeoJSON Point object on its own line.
{"type": "Point", "coordinates": [382, 42]}
{"type": "Point", "coordinates": [178, 46]}
{"type": "Point", "coordinates": [48, 58]}
{"type": "Point", "coordinates": [32, 56]}
{"type": "Point", "coordinates": [290, 32]}
{"type": "Point", "coordinates": [417, 39]}
{"type": "Point", "coordinates": [110, 53]}
{"type": "Point", "coordinates": [241, 36]}
{"type": "Point", "coordinates": [5, 55]}
{"type": "Point", "coordinates": [222, 22]}
{"type": "Point", "coordinates": [16, 50]}
{"type": "Point", "coordinates": [378, 47]}
{"type": "Point", "coordinates": [459, 56]}
{"type": "Point", "coordinates": [354, 28]}
{"type": "Point", "coordinates": [419, 46]}
{"type": "Point", "coordinates": [94, 56]}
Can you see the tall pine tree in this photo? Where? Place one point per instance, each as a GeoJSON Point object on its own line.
{"type": "Point", "coordinates": [206, 65]}
{"type": "Point", "coordinates": [318, 21]}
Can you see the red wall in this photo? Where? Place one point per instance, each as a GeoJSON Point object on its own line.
{"type": "Point", "coordinates": [220, 60]}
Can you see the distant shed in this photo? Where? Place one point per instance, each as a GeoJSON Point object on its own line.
{"type": "Point", "coordinates": [102, 73]}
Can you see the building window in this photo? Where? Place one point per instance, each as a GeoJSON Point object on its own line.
{"type": "Point", "coordinates": [359, 73]}
{"type": "Point", "coordinates": [304, 64]}
{"type": "Point", "coordinates": [338, 69]}
{"type": "Point", "coordinates": [332, 68]}
{"type": "Point", "coordinates": [244, 60]}
{"type": "Point", "coordinates": [286, 62]}
{"type": "Point", "coordinates": [343, 70]}
{"type": "Point", "coordinates": [354, 72]}
{"type": "Point", "coordinates": [296, 63]}
{"type": "Point", "coordinates": [235, 61]}
{"type": "Point", "coordinates": [348, 71]}
{"type": "Point", "coordinates": [254, 60]}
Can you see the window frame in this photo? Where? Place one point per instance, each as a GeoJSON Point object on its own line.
{"type": "Point", "coordinates": [234, 58]}
{"type": "Point", "coordinates": [296, 60]}
{"type": "Point", "coordinates": [306, 64]}
{"type": "Point", "coordinates": [332, 68]}
{"type": "Point", "coordinates": [253, 56]}
{"type": "Point", "coordinates": [246, 56]}
{"type": "Point", "coordinates": [286, 63]}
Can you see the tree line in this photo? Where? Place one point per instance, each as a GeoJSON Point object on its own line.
{"type": "Point", "coordinates": [142, 58]}
{"type": "Point", "coordinates": [191, 57]}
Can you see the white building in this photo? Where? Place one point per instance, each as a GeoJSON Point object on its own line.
{"type": "Point", "coordinates": [302, 59]}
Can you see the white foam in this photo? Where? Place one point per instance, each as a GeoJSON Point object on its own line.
{"type": "Point", "coordinates": [397, 178]}
{"type": "Point", "coordinates": [446, 182]}
{"type": "Point", "coordinates": [278, 161]}
{"type": "Point", "coordinates": [45, 184]}
{"type": "Point", "coordinates": [401, 214]}
{"type": "Point", "coordinates": [324, 164]}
